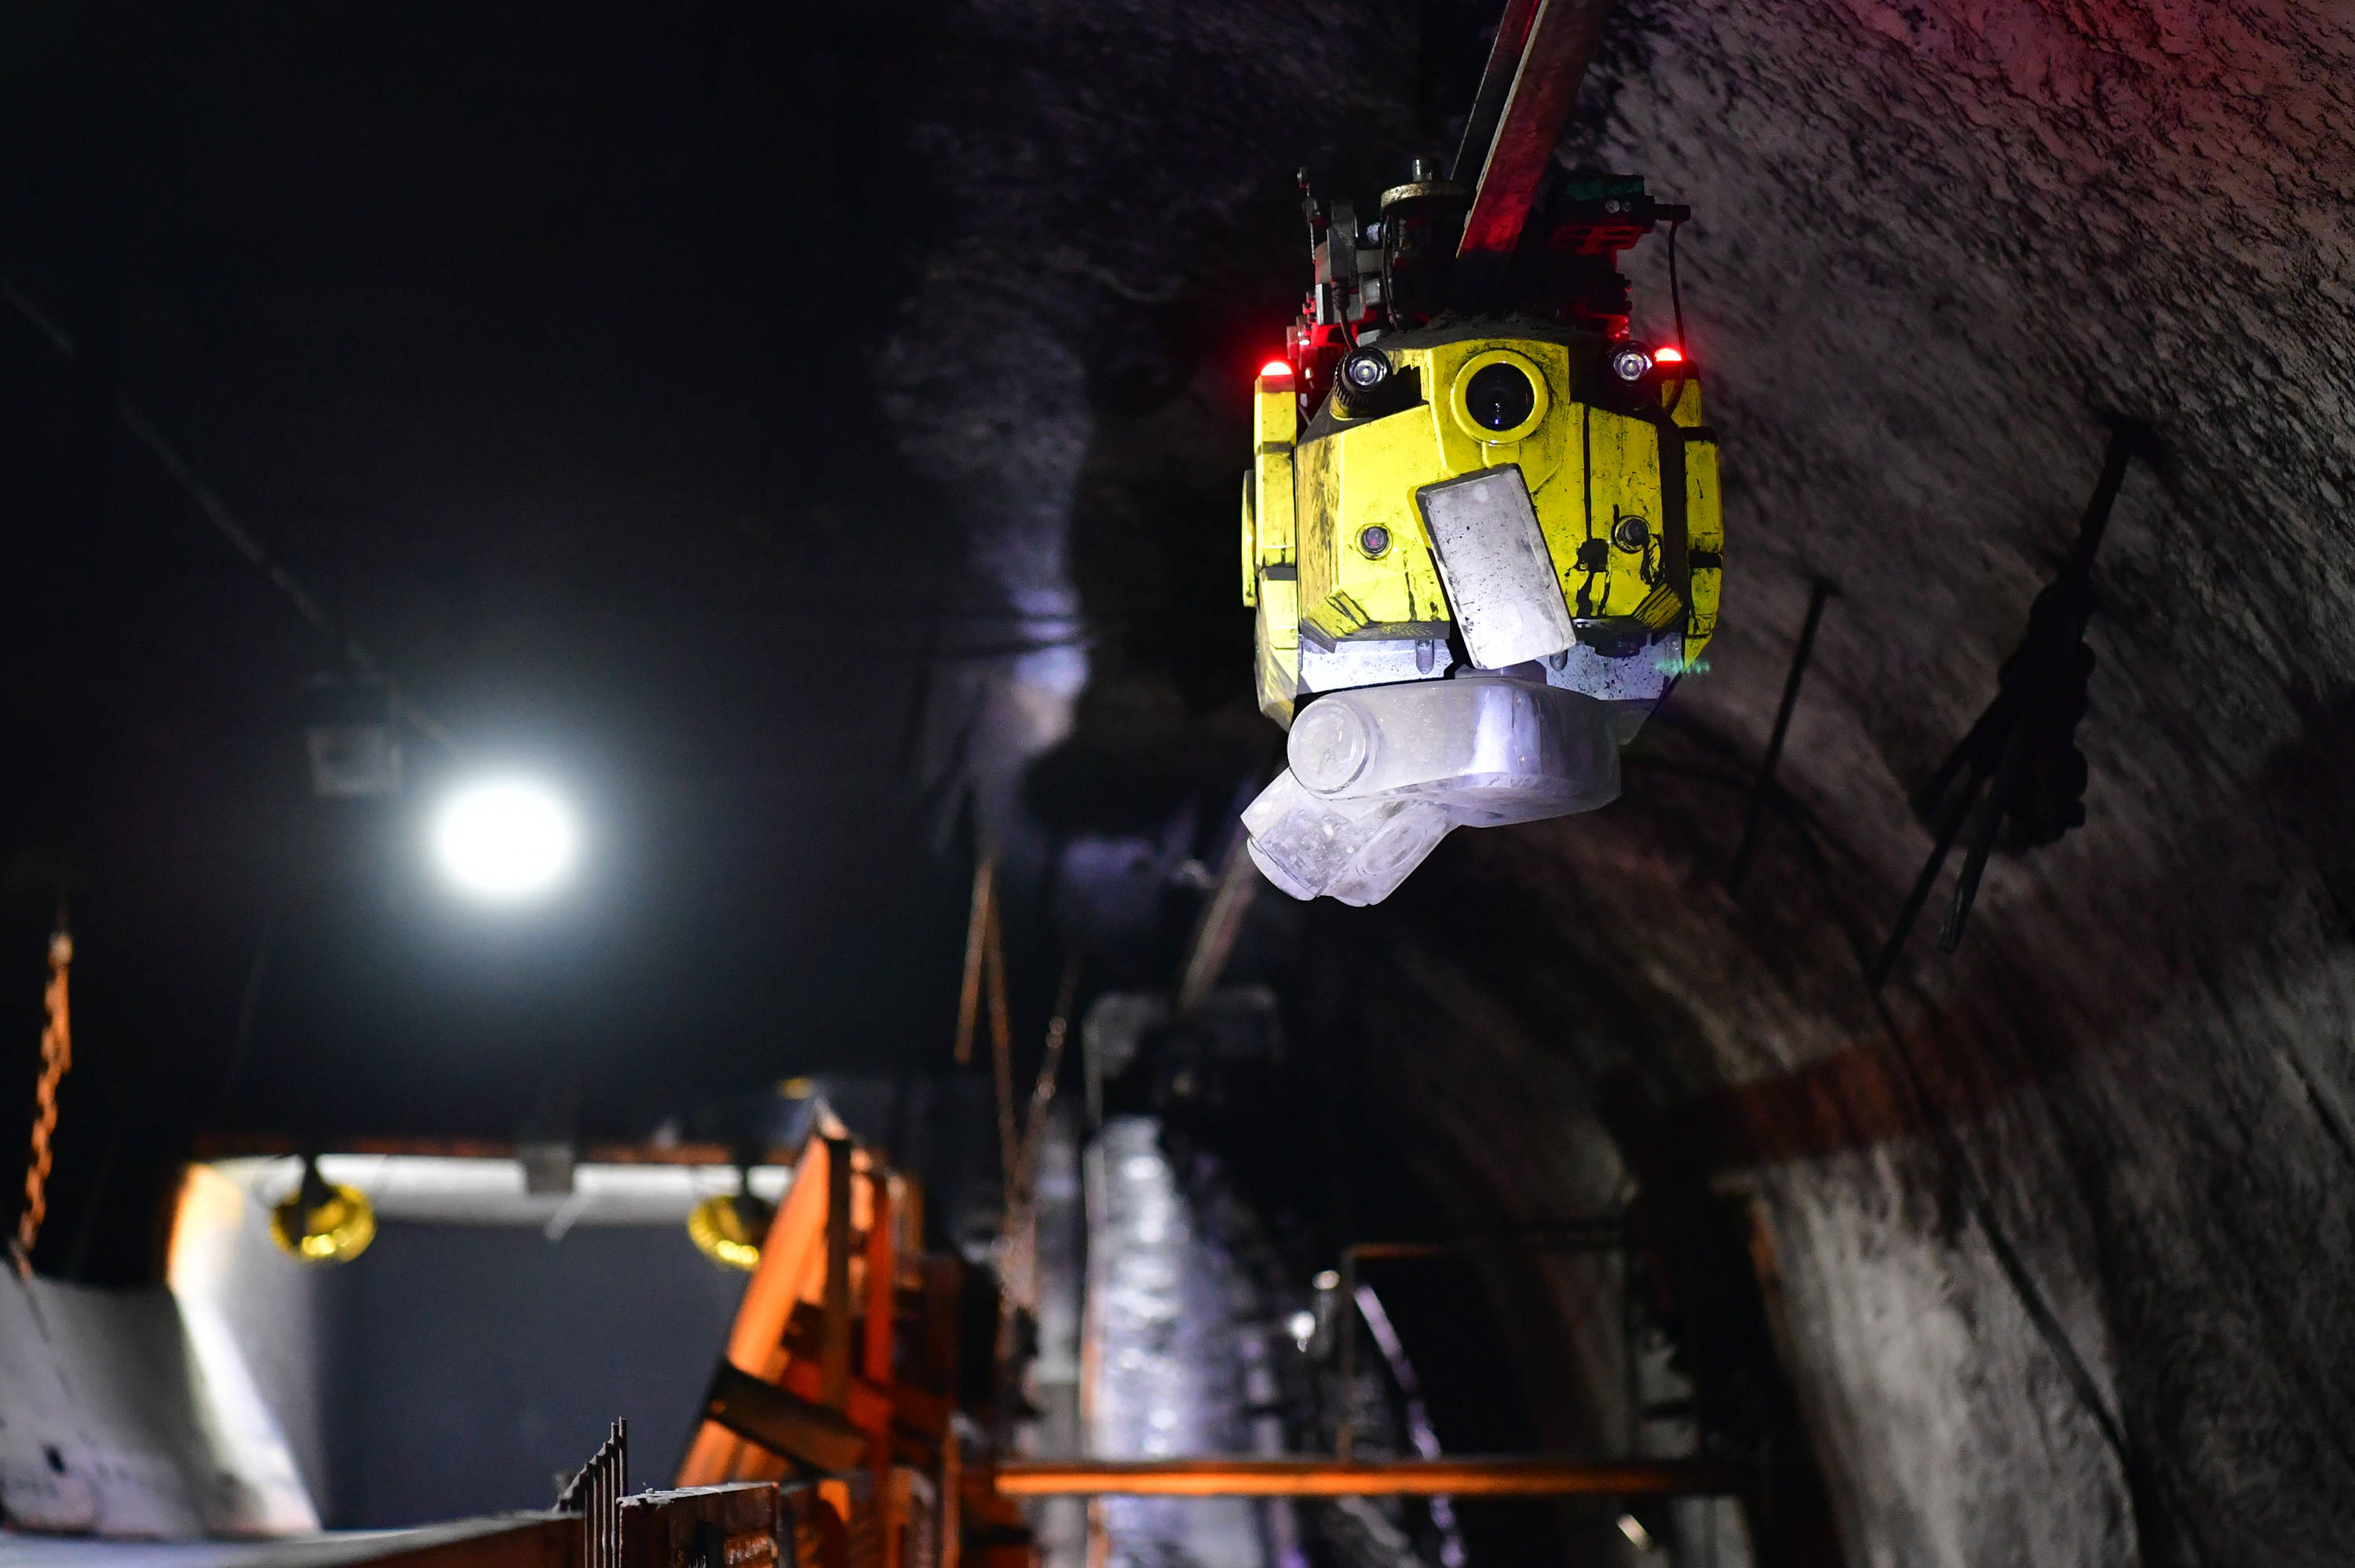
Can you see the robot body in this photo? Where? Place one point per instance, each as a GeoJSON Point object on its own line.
{"type": "Point", "coordinates": [1472, 502]}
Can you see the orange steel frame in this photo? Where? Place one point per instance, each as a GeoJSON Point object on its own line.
{"type": "Point", "coordinates": [1512, 1477]}
{"type": "Point", "coordinates": [900, 1392]}
{"type": "Point", "coordinates": [793, 1273]}
{"type": "Point", "coordinates": [827, 1251]}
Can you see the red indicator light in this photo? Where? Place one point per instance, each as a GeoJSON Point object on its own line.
{"type": "Point", "coordinates": [1670, 355]}
{"type": "Point", "coordinates": [1275, 367]}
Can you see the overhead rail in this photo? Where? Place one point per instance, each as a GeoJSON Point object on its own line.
{"type": "Point", "coordinates": [1525, 94]}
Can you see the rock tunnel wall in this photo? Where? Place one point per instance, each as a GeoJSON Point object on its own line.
{"type": "Point", "coordinates": [2060, 1246]}
{"type": "Point", "coordinates": [1939, 247]}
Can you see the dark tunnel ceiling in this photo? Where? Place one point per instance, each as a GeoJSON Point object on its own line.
{"type": "Point", "coordinates": [646, 384]}
{"type": "Point", "coordinates": [648, 390]}
{"type": "Point", "coordinates": [536, 344]}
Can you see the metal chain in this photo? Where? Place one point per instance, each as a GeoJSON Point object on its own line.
{"type": "Point", "coordinates": [57, 1056]}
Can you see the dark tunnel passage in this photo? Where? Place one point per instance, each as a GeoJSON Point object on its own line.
{"type": "Point", "coordinates": [812, 431]}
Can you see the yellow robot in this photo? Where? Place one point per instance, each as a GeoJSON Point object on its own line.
{"type": "Point", "coordinates": [1481, 529]}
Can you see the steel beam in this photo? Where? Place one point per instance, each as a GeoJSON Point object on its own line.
{"type": "Point", "coordinates": [1562, 38]}
{"type": "Point", "coordinates": [833, 1348]}
{"type": "Point", "coordinates": [1495, 84]}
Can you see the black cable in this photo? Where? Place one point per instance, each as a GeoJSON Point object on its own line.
{"type": "Point", "coordinates": [1675, 292]}
{"type": "Point", "coordinates": [249, 1009]}
{"type": "Point", "coordinates": [1587, 470]}
{"type": "Point", "coordinates": [306, 604]}
{"type": "Point", "coordinates": [1676, 306]}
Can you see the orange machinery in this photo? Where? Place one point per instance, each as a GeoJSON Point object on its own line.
{"type": "Point", "coordinates": [841, 1371]}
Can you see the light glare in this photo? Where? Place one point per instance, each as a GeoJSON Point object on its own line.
{"type": "Point", "coordinates": [507, 839]}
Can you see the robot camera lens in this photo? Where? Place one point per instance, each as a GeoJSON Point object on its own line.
{"type": "Point", "coordinates": [1631, 362]}
{"type": "Point", "coordinates": [1500, 397]}
{"type": "Point", "coordinates": [1366, 370]}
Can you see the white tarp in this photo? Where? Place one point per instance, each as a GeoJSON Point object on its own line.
{"type": "Point", "coordinates": [122, 1415]}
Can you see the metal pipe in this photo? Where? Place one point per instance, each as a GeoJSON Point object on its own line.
{"type": "Point", "coordinates": [1221, 924]}
{"type": "Point", "coordinates": [1316, 1477]}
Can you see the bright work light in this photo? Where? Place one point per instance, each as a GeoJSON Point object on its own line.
{"type": "Point", "coordinates": [505, 839]}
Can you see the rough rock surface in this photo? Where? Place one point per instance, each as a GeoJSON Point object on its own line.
{"type": "Point", "coordinates": [1940, 245]}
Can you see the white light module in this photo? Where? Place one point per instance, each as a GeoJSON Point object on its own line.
{"type": "Point", "coordinates": [505, 839]}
